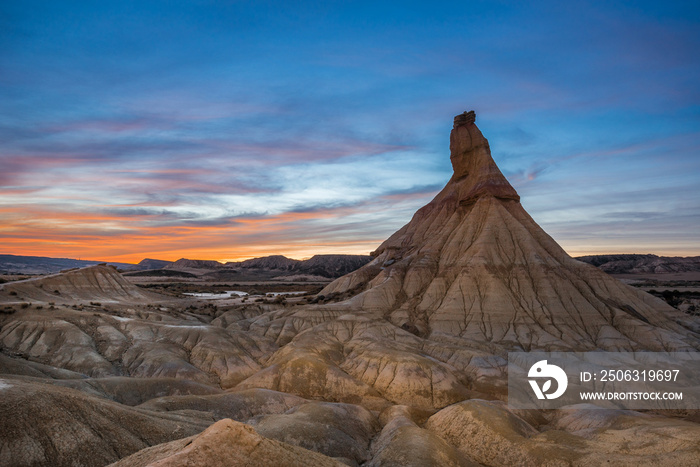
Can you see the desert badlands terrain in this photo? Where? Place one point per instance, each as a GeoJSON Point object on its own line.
{"type": "Point", "coordinates": [402, 362]}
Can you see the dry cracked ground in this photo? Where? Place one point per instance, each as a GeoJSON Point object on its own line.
{"type": "Point", "coordinates": [406, 368]}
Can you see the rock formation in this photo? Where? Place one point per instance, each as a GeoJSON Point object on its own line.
{"type": "Point", "coordinates": [49, 425]}
{"type": "Point", "coordinates": [473, 265]}
{"type": "Point", "coordinates": [92, 283]}
{"type": "Point", "coordinates": [228, 443]}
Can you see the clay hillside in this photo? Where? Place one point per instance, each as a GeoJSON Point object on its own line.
{"type": "Point", "coordinates": [99, 282]}
{"type": "Point", "coordinates": [402, 362]}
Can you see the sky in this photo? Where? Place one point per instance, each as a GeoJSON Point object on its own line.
{"type": "Point", "coordinates": [235, 129]}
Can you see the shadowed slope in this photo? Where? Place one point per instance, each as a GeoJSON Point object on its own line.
{"type": "Point", "coordinates": [48, 425]}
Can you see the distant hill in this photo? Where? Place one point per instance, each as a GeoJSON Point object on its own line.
{"type": "Point", "coordinates": [13, 264]}
{"type": "Point", "coordinates": [320, 266]}
{"type": "Point", "coordinates": [333, 265]}
{"type": "Point", "coordinates": [184, 263]}
{"type": "Point", "coordinates": [642, 264]}
{"type": "Point", "coordinates": [159, 273]}
{"type": "Point", "coordinates": [328, 266]}
{"type": "Point", "coordinates": [276, 262]}
{"type": "Point", "coordinates": [99, 282]}
{"type": "Point", "coordinates": [149, 263]}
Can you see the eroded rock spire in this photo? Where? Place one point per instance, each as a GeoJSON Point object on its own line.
{"type": "Point", "coordinates": [473, 265]}
{"type": "Point", "coordinates": [472, 163]}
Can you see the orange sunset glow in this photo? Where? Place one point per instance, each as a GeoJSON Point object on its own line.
{"type": "Point", "coordinates": [221, 142]}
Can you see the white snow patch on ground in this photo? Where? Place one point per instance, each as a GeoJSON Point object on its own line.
{"type": "Point", "coordinates": [4, 385]}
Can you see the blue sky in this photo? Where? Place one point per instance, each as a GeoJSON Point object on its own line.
{"type": "Point", "coordinates": [227, 130]}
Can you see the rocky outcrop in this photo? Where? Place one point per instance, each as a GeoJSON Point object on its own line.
{"type": "Point", "coordinates": [472, 264]}
{"type": "Point", "coordinates": [491, 434]}
{"type": "Point", "coordinates": [403, 442]}
{"type": "Point", "coordinates": [95, 283]}
{"type": "Point", "coordinates": [333, 429]}
{"type": "Point", "coordinates": [99, 344]}
{"type": "Point", "coordinates": [227, 443]}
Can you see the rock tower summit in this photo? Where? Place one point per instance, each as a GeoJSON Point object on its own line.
{"type": "Point", "coordinates": [473, 166]}
{"type": "Point", "coordinates": [465, 118]}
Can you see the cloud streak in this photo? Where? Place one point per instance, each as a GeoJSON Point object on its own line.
{"type": "Point", "coordinates": [135, 129]}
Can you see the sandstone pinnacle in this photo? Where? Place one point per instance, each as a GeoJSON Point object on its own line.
{"type": "Point", "coordinates": [474, 168]}
{"type": "Point", "coordinates": [474, 265]}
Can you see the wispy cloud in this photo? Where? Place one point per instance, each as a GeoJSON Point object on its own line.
{"type": "Point", "coordinates": [138, 129]}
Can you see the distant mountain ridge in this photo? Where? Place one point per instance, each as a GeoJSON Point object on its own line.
{"type": "Point", "coordinates": [184, 263]}
{"type": "Point", "coordinates": [279, 262]}
{"type": "Point", "coordinates": [646, 264]}
{"type": "Point", "coordinates": [15, 264]}
{"type": "Point", "coordinates": [149, 263]}
{"type": "Point", "coordinates": [330, 266]}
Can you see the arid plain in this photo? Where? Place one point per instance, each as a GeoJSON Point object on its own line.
{"type": "Point", "coordinates": [400, 360]}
